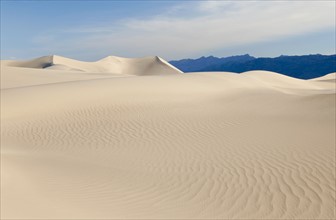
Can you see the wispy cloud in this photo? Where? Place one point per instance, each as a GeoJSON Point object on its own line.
{"type": "Point", "coordinates": [192, 29]}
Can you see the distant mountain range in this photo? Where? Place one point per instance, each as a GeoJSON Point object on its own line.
{"type": "Point", "coordinates": [302, 67]}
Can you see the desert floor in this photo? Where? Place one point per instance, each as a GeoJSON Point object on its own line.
{"type": "Point", "coordinates": [95, 145]}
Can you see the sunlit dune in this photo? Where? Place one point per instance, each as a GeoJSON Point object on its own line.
{"type": "Point", "coordinates": [136, 138]}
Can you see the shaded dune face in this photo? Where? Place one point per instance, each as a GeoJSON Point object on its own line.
{"type": "Point", "coordinates": [111, 64]}
{"type": "Point", "coordinates": [257, 145]}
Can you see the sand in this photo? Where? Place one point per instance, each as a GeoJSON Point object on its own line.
{"type": "Point", "coordinates": [135, 138]}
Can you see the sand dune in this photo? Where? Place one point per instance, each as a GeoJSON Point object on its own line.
{"type": "Point", "coordinates": [96, 145]}
{"type": "Point", "coordinates": [53, 69]}
{"type": "Point", "coordinates": [111, 64]}
{"type": "Point", "coordinates": [328, 77]}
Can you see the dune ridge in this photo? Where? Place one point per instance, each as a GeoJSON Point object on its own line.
{"type": "Point", "coordinates": [328, 77]}
{"type": "Point", "coordinates": [95, 145]}
{"type": "Point", "coordinates": [111, 64]}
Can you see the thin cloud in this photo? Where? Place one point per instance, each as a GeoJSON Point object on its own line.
{"type": "Point", "coordinates": [189, 29]}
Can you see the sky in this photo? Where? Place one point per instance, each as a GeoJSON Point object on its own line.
{"type": "Point", "coordinates": [90, 30]}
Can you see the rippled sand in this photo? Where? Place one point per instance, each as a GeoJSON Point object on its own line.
{"type": "Point", "coordinates": [257, 145]}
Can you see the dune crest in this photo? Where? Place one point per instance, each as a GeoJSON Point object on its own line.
{"type": "Point", "coordinates": [111, 64]}
{"type": "Point", "coordinates": [328, 77]}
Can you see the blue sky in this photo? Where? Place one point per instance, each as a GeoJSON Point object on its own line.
{"type": "Point", "coordinates": [91, 30]}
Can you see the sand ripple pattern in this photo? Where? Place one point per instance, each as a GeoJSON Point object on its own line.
{"type": "Point", "coordinates": [177, 160]}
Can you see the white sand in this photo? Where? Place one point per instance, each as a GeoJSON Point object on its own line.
{"type": "Point", "coordinates": [97, 140]}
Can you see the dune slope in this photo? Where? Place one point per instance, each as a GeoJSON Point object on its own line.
{"type": "Point", "coordinates": [174, 146]}
{"type": "Point", "coordinates": [111, 64]}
